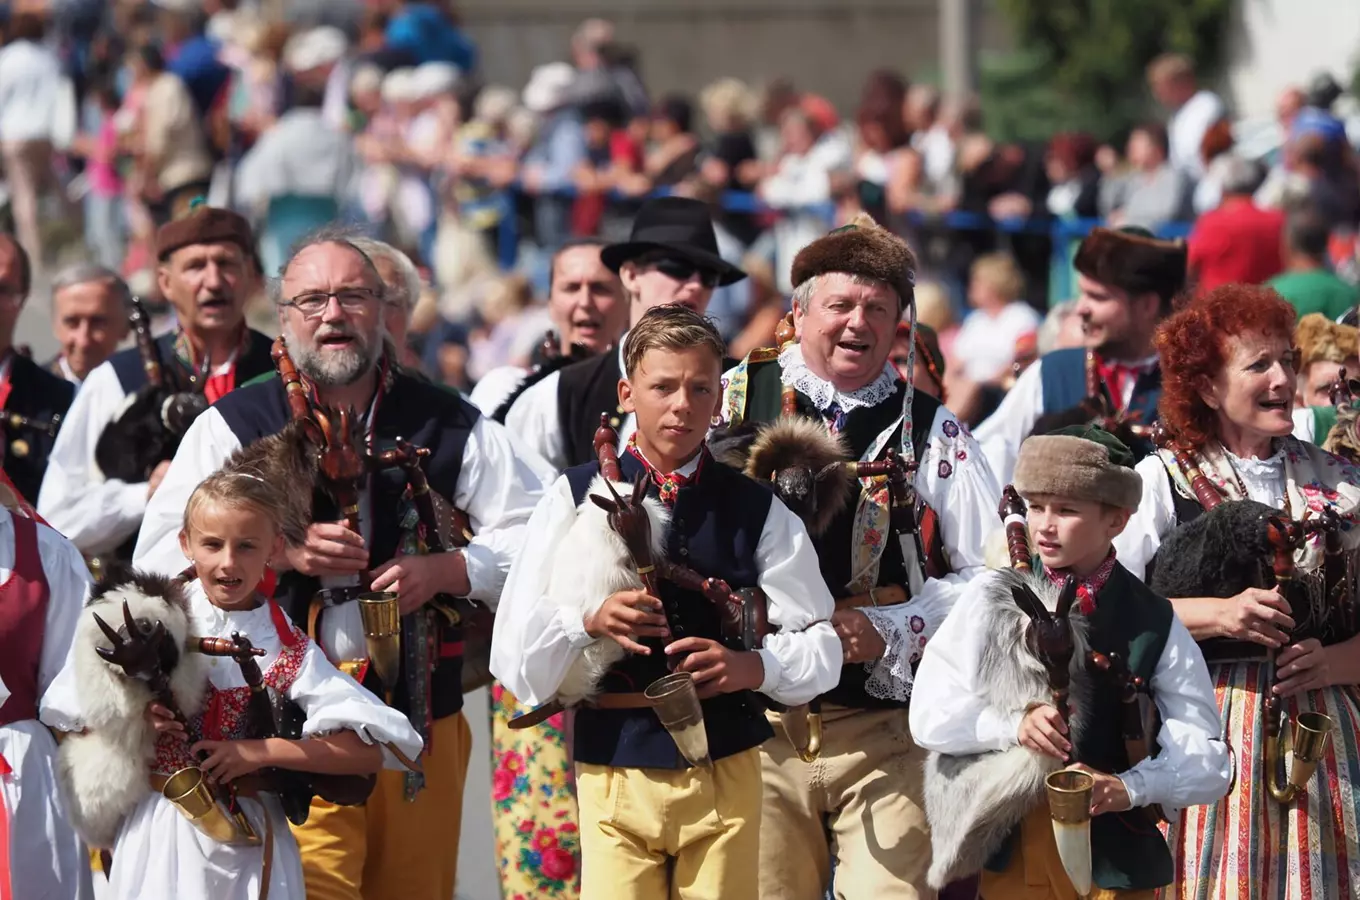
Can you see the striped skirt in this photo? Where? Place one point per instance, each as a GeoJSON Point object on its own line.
{"type": "Point", "coordinates": [1248, 846]}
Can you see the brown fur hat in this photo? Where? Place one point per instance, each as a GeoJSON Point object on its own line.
{"type": "Point", "coordinates": [1319, 339]}
{"type": "Point", "coordinates": [861, 248]}
{"type": "Point", "coordinates": [1133, 261]}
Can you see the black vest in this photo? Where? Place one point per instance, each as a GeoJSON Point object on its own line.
{"type": "Point", "coordinates": [36, 394]}
{"type": "Point", "coordinates": [715, 527]}
{"type": "Point", "coordinates": [255, 361]}
{"type": "Point", "coordinates": [1062, 377]}
{"type": "Point", "coordinates": [1128, 853]}
{"type": "Point", "coordinates": [763, 401]}
{"type": "Point", "coordinates": [423, 413]}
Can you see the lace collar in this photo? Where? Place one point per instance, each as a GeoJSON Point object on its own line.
{"type": "Point", "coordinates": [1270, 467]}
{"type": "Point", "coordinates": [796, 374]}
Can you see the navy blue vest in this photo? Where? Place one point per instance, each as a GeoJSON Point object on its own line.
{"type": "Point", "coordinates": [127, 364]}
{"type": "Point", "coordinates": [1063, 375]}
{"type": "Point", "coordinates": [36, 394]}
{"type": "Point", "coordinates": [423, 413]}
{"type": "Point", "coordinates": [715, 528]}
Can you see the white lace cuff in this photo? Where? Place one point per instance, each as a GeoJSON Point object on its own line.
{"type": "Point", "coordinates": [889, 676]}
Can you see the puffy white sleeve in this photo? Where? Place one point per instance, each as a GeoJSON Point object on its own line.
{"type": "Point", "coordinates": [96, 513]}
{"type": "Point", "coordinates": [802, 659]}
{"type": "Point", "coordinates": [950, 712]}
{"type": "Point", "coordinates": [1002, 433]}
{"type": "Point", "coordinates": [1193, 766]}
{"type": "Point", "coordinates": [533, 419]}
{"type": "Point", "coordinates": [335, 702]}
{"type": "Point", "coordinates": [498, 491]}
{"type": "Point", "coordinates": [1153, 520]}
{"type": "Point", "coordinates": [68, 585]}
{"type": "Point", "coordinates": [956, 482]}
{"type": "Point", "coordinates": [535, 642]}
{"type": "Point", "coordinates": [205, 447]}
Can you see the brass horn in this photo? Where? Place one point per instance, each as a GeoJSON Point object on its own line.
{"type": "Point", "coordinates": [803, 728]}
{"type": "Point", "coordinates": [1069, 804]}
{"type": "Point", "coordinates": [1312, 733]}
{"type": "Point", "coordinates": [677, 705]}
{"type": "Point", "coordinates": [382, 633]}
{"type": "Point", "coordinates": [188, 789]}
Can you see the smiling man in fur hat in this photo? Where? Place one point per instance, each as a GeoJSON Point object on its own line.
{"type": "Point", "coordinates": [890, 575]}
{"type": "Point", "coordinates": [1127, 280]}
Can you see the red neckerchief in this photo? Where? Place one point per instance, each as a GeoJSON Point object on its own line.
{"type": "Point", "coordinates": [5, 381]}
{"type": "Point", "coordinates": [668, 483]}
{"type": "Point", "coordinates": [217, 386]}
{"type": "Point", "coordinates": [1119, 375]}
{"type": "Point", "coordinates": [1088, 587]}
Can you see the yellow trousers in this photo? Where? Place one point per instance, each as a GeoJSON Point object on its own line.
{"type": "Point", "coordinates": [389, 848]}
{"type": "Point", "coordinates": [861, 801]}
{"type": "Point", "coordinates": [1035, 871]}
{"type": "Point", "coordinates": [683, 834]}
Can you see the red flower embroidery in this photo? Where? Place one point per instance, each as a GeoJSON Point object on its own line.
{"type": "Point", "coordinates": [513, 761]}
{"type": "Point", "coordinates": [502, 784]}
{"type": "Point", "coordinates": [558, 864]}
{"type": "Point", "coordinates": [526, 826]}
{"type": "Point", "coordinates": [918, 624]}
{"type": "Point", "coordinates": [545, 840]}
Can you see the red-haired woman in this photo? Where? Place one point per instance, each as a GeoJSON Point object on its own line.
{"type": "Point", "coordinates": [1227, 395]}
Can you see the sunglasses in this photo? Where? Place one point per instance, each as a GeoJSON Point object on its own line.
{"type": "Point", "coordinates": [682, 270]}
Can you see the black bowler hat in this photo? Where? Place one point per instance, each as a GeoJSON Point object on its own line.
{"type": "Point", "coordinates": [681, 227]}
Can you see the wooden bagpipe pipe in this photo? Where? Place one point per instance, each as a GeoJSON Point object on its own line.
{"type": "Point", "coordinates": [152, 422]}
{"type": "Point", "coordinates": [1240, 544]}
{"type": "Point", "coordinates": [1097, 408]}
{"type": "Point", "coordinates": [339, 464]}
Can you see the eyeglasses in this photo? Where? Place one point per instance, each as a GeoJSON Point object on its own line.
{"type": "Point", "coordinates": [682, 270]}
{"type": "Point", "coordinates": [314, 303]}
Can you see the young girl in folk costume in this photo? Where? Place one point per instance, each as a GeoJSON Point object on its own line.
{"type": "Point", "coordinates": [114, 772]}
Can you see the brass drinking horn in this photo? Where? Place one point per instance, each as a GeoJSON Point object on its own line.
{"type": "Point", "coordinates": [677, 705]}
{"type": "Point", "coordinates": [382, 633]}
{"type": "Point", "coordinates": [803, 728]}
{"type": "Point", "coordinates": [189, 790]}
{"type": "Point", "coordinates": [1069, 805]}
{"type": "Point", "coordinates": [1312, 733]}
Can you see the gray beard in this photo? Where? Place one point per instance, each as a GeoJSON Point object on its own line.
{"type": "Point", "coordinates": [332, 368]}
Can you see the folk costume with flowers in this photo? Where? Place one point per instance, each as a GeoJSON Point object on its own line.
{"type": "Point", "coordinates": [402, 841]}
{"type": "Point", "coordinates": [651, 823]}
{"type": "Point", "coordinates": [865, 789]}
{"type": "Point", "coordinates": [115, 794]}
{"type": "Point", "coordinates": [1248, 844]}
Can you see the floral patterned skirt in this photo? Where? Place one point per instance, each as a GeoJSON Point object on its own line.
{"type": "Point", "coordinates": [533, 805]}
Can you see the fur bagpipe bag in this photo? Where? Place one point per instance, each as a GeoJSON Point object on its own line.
{"type": "Point", "coordinates": [974, 802]}
{"type": "Point", "coordinates": [103, 770]}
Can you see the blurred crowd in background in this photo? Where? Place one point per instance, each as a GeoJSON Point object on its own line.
{"type": "Point", "coordinates": [115, 116]}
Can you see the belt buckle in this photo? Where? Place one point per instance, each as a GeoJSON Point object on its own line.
{"type": "Point", "coordinates": [331, 597]}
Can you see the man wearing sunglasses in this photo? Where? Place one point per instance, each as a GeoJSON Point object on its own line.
{"type": "Point", "coordinates": [671, 257]}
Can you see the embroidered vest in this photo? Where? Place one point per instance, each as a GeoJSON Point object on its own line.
{"type": "Point", "coordinates": [23, 621]}
{"type": "Point", "coordinates": [37, 394]}
{"type": "Point", "coordinates": [425, 414]}
{"type": "Point", "coordinates": [715, 527]}
{"type": "Point", "coordinates": [1127, 850]}
{"type": "Point", "coordinates": [834, 550]}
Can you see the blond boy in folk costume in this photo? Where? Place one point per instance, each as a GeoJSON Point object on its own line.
{"type": "Point", "coordinates": [983, 707]}
{"type": "Point", "coordinates": [576, 625]}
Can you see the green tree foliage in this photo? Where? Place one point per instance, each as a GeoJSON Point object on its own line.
{"type": "Point", "coordinates": [1080, 63]}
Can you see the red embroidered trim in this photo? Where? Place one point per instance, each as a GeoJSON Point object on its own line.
{"type": "Point", "coordinates": [1088, 588]}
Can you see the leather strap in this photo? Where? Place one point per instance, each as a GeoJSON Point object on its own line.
{"type": "Point", "coordinates": [267, 867]}
{"type": "Point", "coordinates": [633, 700]}
{"type": "Point", "coordinates": [888, 595]}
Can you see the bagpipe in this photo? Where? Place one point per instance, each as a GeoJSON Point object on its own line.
{"type": "Point", "coordinates": [150, 425]}
{"type": "Point", "coordinates": [1343, 438]}
{"type": "Point", "coordinates": [1240, 544]}
{"type": "Point", "coordinates": [1099, 409]}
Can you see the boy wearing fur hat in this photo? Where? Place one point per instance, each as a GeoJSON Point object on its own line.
{"type": "Point", "coordinates": [1127, 279]}
{"type": "Point", "coordinates": [1079, 489]}
{"type": "Point", "coordinates": [576, 624]}
{"type": "Point", "coordinates": [1325, 348]}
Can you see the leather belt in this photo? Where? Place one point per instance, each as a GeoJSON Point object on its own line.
{"type": "Point", "coordinates": [634, 700]}
{"type": "Point", "coordinates": [888, 595]}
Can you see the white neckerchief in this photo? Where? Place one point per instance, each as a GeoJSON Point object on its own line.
{"type": "Point", "coordinates": [796, 374]}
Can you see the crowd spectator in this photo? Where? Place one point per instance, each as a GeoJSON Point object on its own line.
{"type": "Point", "coordinates": [105, 223]}
{"type": "Point", "coordinates": [1070, 164]}
{"type": "Point", "coordinates": [1238, 241]}
{"type": "Point", "coordinates": [1216, 153]}
{"type": "Point", "coordinates": [985, 347]}
{"type": "Point", "coordinates": [174, 164]}
{"type": "Point", "coordinates": [551, 163]}
{"type": "Point", "coordinates": [1308, 282]}
{"type": "Point", "coordinates": [1154, 192]}
{"type": "Point", "coordinates": [1193, 110]}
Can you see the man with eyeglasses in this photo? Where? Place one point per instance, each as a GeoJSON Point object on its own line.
{"type": "Point", "coordinates": [207, 270]}
{"type": "Point", "coordinates": [32, 399]}
{"type": "Point", "coordinates": [670, 257]}
{"type": "Point", "coordinates": [403, 842]}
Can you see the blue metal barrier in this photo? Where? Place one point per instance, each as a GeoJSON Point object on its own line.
{"type": "Point", "coordinates": [1062, 232]}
